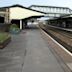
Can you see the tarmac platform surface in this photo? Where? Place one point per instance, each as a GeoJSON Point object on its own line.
{"type": "Point", "coordinates": [36, 58]}
{"type": "Point", "coordinates": [39, 58]}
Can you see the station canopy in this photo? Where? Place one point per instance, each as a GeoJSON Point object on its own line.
{"type": "Point", "coordinates": [20, 12]}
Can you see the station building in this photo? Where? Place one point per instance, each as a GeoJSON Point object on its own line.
{"type": "Point", "coordinates": [18, 14]}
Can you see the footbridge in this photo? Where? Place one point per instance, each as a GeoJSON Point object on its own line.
{"type": "Point", "coordinates": [52, 11]}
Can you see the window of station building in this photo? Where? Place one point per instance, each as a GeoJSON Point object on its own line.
{"type": "Point", "coordinates": [64, 10]}
{"type": "Point", "coordinates": [32, 7]}
{"type": "Point", "coordinates": [61, 10]}
{"type": "Point", "coordinates": [48, 9]}
{"type": "Point", "coordinates": [58, 10]}
{"type": "Point", "coordinates": [39, 9]}
{"type": "Point", "coordinates": [51, 9]}
{"type": "Point", "coordinates": [52, 15]}
{"type": "Point", "coordinates": [45, 9]}
{"type": "Point", "coordinates": [55, 10]}
{"type": "Point", "coordinates": [67, 10]}
{"type": "Point", "coordinates": [36, 8]}
{"type": "Point", "coordinates": [57, 15]}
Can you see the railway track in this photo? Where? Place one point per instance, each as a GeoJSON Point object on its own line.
{"type": "Point", "coordinates": [64, 33]}
{"type": "Point", "coordinates": [63, 37]}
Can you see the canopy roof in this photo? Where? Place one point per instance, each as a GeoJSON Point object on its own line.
{"type": "Point", "coordinates": [20, 12]}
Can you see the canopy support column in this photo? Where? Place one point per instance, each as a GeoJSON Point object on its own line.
{"type": "Point", "coordinates": [20, 24]}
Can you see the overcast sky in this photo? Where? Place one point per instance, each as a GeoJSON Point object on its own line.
{"type": "Point", "coordinates": [62, 3]}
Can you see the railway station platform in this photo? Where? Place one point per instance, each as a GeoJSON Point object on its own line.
{"type": "Point", "coordinates": [29, 52]}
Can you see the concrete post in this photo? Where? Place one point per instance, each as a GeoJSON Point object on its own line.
{"type": "Point", "coordinates": [20, 24]}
